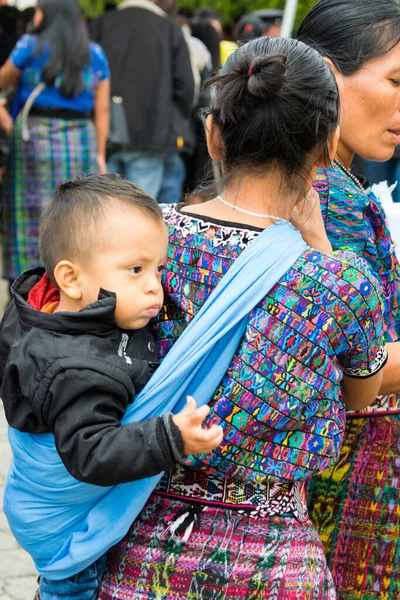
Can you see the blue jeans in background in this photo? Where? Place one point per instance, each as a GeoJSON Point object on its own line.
{"type": "Point", "coordinates": [83, 586]}
{"type": "Point", "coordinates": [384, 171]}
{"type": "Point", "coordinates": [172, 183]}
{"type": "Point", "coordinates": [160, 175]}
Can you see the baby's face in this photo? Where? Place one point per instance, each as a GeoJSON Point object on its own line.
{"type": "Point", "coordinates": [128, 261]}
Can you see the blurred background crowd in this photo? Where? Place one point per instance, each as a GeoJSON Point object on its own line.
{"type": "Point", "coordinates": [132, 98]}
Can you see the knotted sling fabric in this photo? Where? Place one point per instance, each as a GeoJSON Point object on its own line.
{"type": "Point", "coordinates": [64, 524]}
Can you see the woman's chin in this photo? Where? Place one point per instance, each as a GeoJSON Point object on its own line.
{"type": "Point", "coordinates": [379, 154]}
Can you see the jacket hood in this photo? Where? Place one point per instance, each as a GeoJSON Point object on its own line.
{"type": "Point", "coordinates": [33, 289]}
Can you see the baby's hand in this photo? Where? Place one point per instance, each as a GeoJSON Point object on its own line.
{"type": "Point", "coordinates": [196, 439]}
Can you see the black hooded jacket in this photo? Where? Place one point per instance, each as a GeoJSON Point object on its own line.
{"type": "Point", "coordinates": [74, 374]}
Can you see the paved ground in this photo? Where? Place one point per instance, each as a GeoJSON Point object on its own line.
{"type": "Point", "coordinates": [17, 572]}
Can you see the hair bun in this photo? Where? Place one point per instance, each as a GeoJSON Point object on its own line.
{"type": "Point", "coordinates": [267, 76]}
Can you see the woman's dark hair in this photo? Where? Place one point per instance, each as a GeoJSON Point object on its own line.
{"type": "Point", "coordinates": [351, 32]}
{"type": "Point", "coordinates": [204, 31]}
{"type": "Point", "coordinates": [63, 29]}
{"type": "Point", "coordinates": [186, 12]}
{"type": "Point", "coordinates": [206, 13]}
{"type": "Point", "coordinates": [275, 101]}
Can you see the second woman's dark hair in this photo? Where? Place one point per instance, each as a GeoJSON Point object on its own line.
{"type": "Point", "coordinates": [351, 32]}
{"type": "Point", "coordinates": [275, 101]}
{"type": "Point", "coordinates": [63, 29]}
{"type": "Point", "coordinates": [205, 32]}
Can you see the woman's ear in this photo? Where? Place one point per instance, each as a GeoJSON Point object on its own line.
{"type": "Point", "coordinates": [214, 140]}
{"type": "Point", "coordinates": [332, 65]}
{"type": "Point", "coordinates": [66, 274]}
{"type": "Point", "coordinates": [338, 75]}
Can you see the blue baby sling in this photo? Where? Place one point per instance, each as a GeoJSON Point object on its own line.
{"type": "Point", "coordinates": [64, 524]}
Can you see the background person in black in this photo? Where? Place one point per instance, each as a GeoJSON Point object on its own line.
{"type": "Point", "coordinates": [151, 76]}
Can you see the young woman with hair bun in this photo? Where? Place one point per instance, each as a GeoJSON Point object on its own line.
{"type": "Point", "coordinates": [234, 524]}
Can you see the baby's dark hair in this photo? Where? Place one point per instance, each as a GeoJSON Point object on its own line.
{"type": "Point", "coordinates": [69, 224]}
{"type": "Point", "coordinates": [275, 101]}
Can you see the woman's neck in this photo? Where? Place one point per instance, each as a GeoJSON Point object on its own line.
{"type": "Point", "coordinates": [344, 155]}
{"type": "Point", "coordinates": [260, 195]}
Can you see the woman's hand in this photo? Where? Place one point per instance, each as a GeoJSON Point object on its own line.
{"type": "Point", "coordinates": [6, 122]}
{"type": "Point", "coordinates": [197, 440]}
{"type": "Point", "coordinates": [307, 218]}
{"type": "Point", "coordinates": [102, 121]}
{"type": "Point", "coordinates": [101, 164]}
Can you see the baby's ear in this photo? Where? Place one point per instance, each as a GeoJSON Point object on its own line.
{"type": "Point", "coordinates": [67, 276]}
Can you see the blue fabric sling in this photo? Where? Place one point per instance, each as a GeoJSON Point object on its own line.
{"type": "Point", "coordinates": [64, 524]}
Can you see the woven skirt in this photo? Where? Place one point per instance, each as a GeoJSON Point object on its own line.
{"type": "Point", "coordinates": [227, 556]}
{"type": "Point", "coordinates": [58, 150]}
{"type": "Point", "coordinates": [356, 507]}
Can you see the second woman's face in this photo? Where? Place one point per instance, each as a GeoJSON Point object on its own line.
{"type": "Point", "coordinates": [370, 108]}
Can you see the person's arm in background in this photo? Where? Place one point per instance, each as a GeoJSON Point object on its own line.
{"type": "Point", "coordinates": [6, 122]}
{"type": "Point", "coordinates": [101, 106]}
{"type": "Point", "coordinates": [102, 121]}
{"type": "Point", "coordinates": [9, 75]}
{"type": "Point", "coordinates": [183, 82]}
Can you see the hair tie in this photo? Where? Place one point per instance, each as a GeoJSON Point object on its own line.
{"type": "Point", "coordinates": [250, 71]}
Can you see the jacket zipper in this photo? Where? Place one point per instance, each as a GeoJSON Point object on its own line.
{"type": "Point", "coordinates": [122, 348]}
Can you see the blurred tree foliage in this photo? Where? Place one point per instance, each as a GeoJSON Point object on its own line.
{"type": "Point", "coordinates": [229, 10]}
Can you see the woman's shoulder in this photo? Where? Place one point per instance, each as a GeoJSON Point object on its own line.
{"type": "Point", "coordinates": [23, 50]}
{"type": "Point", "coordinates": [214, 238]}
{"type": "Point", "coordinates": [343, 273]}
{"type": "Point", "coordinates": [96, 49]}
{"type": "Point", "coordinates": [177, 214]}
{"type": "Point", "coordinates": [356, 220]}
{"type": "Point", "coordinates": [339, 258]}
{"type": "Point", "coordinates": [194, 228]}
{"type": "Point", "coordinates": [97, 53]}
{"type": "Point", "coordinates": [337, 261]}
{"type": "Point", "coordinates": [27, 40]}
{"type": "Point", "coordinates": [344, 189]}
{"type": "Point", "coordinates": [99, 63]}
